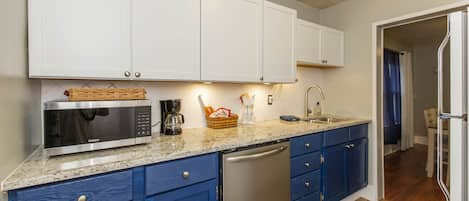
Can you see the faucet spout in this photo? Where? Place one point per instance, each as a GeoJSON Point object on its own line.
{"type": "Point", "coordinates": [308, 110]}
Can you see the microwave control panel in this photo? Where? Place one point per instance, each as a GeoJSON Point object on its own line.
{"type": "Point", "coordinates": [143, 121]}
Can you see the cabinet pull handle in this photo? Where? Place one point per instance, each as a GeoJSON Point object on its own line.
{"type": "Point", "coordinates": [307, 184]}
{"type": "Point", "coordinates": [307, 145]}
{"type": "Point", "coordinates": [138, 74]}
{"type": "Point", "coordinates": [185, 174]}
{"type": "Point", "coordinates": [127, 74]}
{"type": "Point", "coordinates": [307, 165]}
{"type": "Point", "coordinates": [82, 198]}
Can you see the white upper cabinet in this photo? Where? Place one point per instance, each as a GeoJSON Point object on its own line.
{"type": "Point", "coordinates": [308, 43]}
{"type": "Point", "coordinates": [79, 38]}
{"type": "Point", "coordinates": [319, 45]}
{"type": "Point", "coordinates": [166, 39]}
{"type": "Point", "coordinates": [332, 47]}
{"type": "Point", "coordinates": [231, 40]}
{"type": "Point", "coordinates": [279, 43]}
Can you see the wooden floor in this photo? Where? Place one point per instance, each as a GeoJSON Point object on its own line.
{"type": "Point", "coordinates": [405, 177]}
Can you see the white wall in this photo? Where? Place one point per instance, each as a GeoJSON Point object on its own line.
{"type": "Point", "coordinates": [288, 98]}
{"type": "Point", "coordinates": [350, 88]}
{"type": "Point", "coordinates": [20, 117]}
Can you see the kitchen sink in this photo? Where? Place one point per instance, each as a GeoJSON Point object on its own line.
{"type": "Point", "coordinates": [324, 120]}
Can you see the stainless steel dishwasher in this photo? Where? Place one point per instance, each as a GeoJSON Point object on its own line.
{"type": "Point", "coordinates": [260, 173]}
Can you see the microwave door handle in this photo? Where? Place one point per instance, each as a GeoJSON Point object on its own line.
{"type": "Point", "coordinates": [441, 115]}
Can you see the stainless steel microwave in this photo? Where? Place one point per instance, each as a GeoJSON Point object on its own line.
{"type": "Point", "coordinates": [73, 127]}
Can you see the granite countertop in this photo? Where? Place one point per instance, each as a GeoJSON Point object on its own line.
{"type": "Point", "coordinates": [39, 169]}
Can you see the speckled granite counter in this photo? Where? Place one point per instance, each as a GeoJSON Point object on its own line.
{"type": "Point", "coordinates": [39, 169]}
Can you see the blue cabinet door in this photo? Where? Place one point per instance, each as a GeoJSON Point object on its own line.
{"type": "Point", "coordinates": [357, 165]}
{"type": "Point", "coordinates": [107, 187]}
{"type": "Point", "coordinates": [206, 191]}
{"type": "Point", "coordinates": [334, 173]}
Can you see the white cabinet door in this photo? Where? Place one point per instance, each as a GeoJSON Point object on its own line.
{"type": "Point", "coordinates": [166, 39]}
{"type": "Point", "coordinates": [279, 38]}
{"type": "Point", "coordinates": [231, 40]}
{"type": "Point", "coordinates": [332, 47]}
{"type": "Point", "coordinates": [308, 42]}
{"type": "Point", "coordinates": [79, 38]}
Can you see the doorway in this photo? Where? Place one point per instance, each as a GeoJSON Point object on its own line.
{"type": "Point", "coordinates": [417, 147]}
{"type": "Point", "coordinates": [410, 98]}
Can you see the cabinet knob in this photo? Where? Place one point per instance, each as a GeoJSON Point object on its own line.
{"type": "Point", "coordinates": [307, 165]}
{"type": "Point", "coordinates": [127, 74]}
{"type": "Point", "coordinates": [185, 174]}
{"type": "Point", "coordinates": [296, 80]}
{"type": "Point", "coordinates": [262, 78]}
{"type": "Point", "coordinates": [307, 145]}
{"type": "Point", "coordinates": [324, 61]}
{"type": "Point", "coordinates": [138, 74]}
{"type": "Point", "coordinates": [82, 198]}
{"type": "Point", "coordinates": [352, 145]}
{"type": "Point", "coordinates": [348, 146]}
{"type": "Point", "coordinates": [307, 184]}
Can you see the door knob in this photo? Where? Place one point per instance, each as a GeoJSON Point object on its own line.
{"type": "Point", "coordinates": [185, 174]}
{"type": "Point", "coordinates": [82, 198]}
{"type": "Point", "coordinates": [127, 74]}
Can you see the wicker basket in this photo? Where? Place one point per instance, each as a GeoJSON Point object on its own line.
{"type": "Point", "coordinates": [88, 94]}
{"type": "Point", "coordinates": [222, 122]}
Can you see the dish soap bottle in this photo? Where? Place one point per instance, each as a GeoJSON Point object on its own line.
{"type": "Point", "coordinates": [317, 109]}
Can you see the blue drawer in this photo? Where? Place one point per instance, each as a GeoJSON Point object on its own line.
{"type": "Point", "coordinates": [305, 144]}
{"type": "Point", "coordinates": [305, 163]}
{"type": "Point", "coordinates": [358, 132]}
{"type": "Point", "coordinates": [313, 197]}
{"type": "Point", "coordinates": [305, 184]}
{"type": "Point", "coordinates": [167, 176]}
{"type": "Point", "coordinates": [334, 137]}
{"type": "Point", "coordinates": [108, 187]}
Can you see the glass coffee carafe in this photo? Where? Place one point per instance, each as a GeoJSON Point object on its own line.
{"type": "Point", "coordinates": [173, 123]}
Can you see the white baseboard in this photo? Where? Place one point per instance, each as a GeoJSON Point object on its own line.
{"type": "Point", "coordinates": [420, 140]}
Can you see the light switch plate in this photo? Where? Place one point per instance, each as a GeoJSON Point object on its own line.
{"type": "Point", "coordinates": [270, 99]}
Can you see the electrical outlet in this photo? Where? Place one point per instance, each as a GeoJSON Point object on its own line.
{"type": "Point", "coordinates": [270, 99]}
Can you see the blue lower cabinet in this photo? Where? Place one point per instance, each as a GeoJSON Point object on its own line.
{"type": "Point", "coordinates": [164, 177]}
{"type": "Point", "coordinates": [311, 197]}
{"type": "Point", "coordinates": [108, 187]}
{"type": "Point", "coordinates": [345, 167]}
{"type": "Point", "coordinates": [334, 173]}
{"type": "Point", "coordinates": [305, 184]}
{"type": "Point", "coordinates": [206, 191]}
{"type": "Point", "coordinates": [357, 161]}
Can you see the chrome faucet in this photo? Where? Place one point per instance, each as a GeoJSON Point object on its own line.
{"type": "Point", "coordinates": [308, 110]}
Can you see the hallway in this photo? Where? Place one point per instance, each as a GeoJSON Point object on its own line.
{"type": "Point", "coordinates": [405, 177]}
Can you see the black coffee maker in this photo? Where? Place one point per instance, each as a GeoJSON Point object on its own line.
{"type": "Point", "coordinates": [171, 118]}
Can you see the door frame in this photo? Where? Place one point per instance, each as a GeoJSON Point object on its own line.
{"type": "Point", "coordinates": [377, 52]}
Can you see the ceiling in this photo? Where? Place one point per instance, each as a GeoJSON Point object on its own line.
{"type": "Point", "coordinates": [420, 32]}
{"type": "Point", "coordinates": [321, 3]}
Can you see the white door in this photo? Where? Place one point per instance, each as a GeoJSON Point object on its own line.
{"type": "Point", "coordinates": [231, 40]}
{"type": "Point", "coordinates": [79, 38]}
{"type": "Point", "coordinates": [332, 47]}
{"type": "Point", "coordinates": [308, 42]}
{"type": "Point", "coordinates": [166, 39]}
{"type": "Point", "coordinates": [279, 39]}
{"type": "Point", "coordinates": [457, 38]}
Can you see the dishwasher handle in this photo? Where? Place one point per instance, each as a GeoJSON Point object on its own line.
{"type": "Point", "coordinates": [258, 155]}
